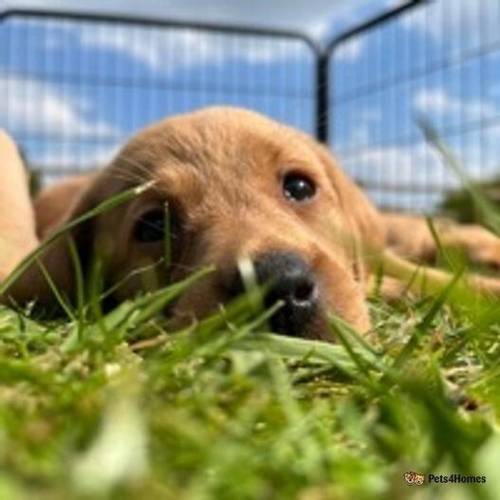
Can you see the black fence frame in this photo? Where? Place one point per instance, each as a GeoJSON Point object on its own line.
{"type": "Point", "coordinates": [322, 54]}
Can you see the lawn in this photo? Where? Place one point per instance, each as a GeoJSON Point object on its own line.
{"type": "Point", "coordinates": [117, 407]}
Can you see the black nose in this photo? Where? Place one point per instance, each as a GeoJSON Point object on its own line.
{"type": "Point", "coordinates": [291, 282]}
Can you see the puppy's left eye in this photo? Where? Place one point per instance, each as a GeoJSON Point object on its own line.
{"type": "Point", "coordinates": [150, 227]}
{"type": "Point", "coordinates": [298, 187]}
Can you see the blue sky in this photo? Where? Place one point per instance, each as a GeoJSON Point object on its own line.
{"type": "Point", "coordinates": [75, 91]}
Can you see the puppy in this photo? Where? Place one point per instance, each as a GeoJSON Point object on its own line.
{"type": "Point", "coordinates": [238, 186]}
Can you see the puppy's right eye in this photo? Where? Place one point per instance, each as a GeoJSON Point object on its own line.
{"type": "Point", "coordinates": [298, 187]}
{"type": "Point", "coordinates": [150, 227]}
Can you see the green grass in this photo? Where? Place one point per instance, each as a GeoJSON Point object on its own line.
{"type": "Point", "coordinates": [124, 410]}
{"type": "Point", "coordinates": [117, 406]}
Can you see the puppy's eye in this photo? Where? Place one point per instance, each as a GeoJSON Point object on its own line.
{"type": "Point", "coordinates": [150, 227]}
{"type": "Point", "coordinates": [298, 187]}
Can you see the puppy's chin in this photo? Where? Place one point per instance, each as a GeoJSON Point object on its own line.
{"type": "Point", "coordinates": [319, 329]}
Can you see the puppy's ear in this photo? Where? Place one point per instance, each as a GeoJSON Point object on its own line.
{"type": "Point", "coordinates": [57, 259]}
{"type": "Point", "coordinates": [54, 205]}
{"type": "Point", "coordinates": [366, 223]}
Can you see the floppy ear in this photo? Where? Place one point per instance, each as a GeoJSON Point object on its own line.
{"type": "Point", "coordinates": [365, 220]}
{"type": "Point", "coordinates": [56, 260]}
{"type": "Point", "coordinates": [54, 205]}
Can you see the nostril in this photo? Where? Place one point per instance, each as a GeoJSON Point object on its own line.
{"type": "Point", "coordinates": [304, 292]}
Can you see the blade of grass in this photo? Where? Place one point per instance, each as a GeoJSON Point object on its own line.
{"type": "Point", "coordinates": [53, 287]}
{"type": "Point", "coordinates": [155, 303]}
{"type": "Point", "coordinates": [357, 358]}
{"type": "Point", "coordinates": [167, 239]}
{"type": "Point", "coordinates": [441, 251]}
{"type": "Point", "coordinates": [214, 346]}
{"type": "Point", "coordinates": [422, 327]}
{"type": "Point", "coordinates": [238, 311]}
{"type": "Point", "coordinates": [301, 349]}
{"type": "Point", "coordinates": [80, 285]}
{"type": "Point", "coordinates": [136, 272]}
{"type": "Point", "coordinates": [130, 314]}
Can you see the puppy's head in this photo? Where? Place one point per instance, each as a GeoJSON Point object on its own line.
{"type": "Point", "coordinates": [238, 187]}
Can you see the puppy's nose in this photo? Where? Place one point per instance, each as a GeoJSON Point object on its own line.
{"type": "Point", "coordinates": [291, 282]}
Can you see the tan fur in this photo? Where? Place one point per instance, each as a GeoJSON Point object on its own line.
{"type": "Point", "coordinates": [221, 170]}
{"type": "Point", "coordinates": [54, 203]}
{"type": "Point", "coordinates": [410, 237]}
{"type": "Point", "coordinates": [17, 224]}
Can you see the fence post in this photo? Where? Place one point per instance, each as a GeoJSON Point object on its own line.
{"type": "Point", "coordinates": [322, 96]}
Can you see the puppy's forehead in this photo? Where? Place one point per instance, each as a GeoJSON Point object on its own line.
{"type": "Point", "coordinates": [229, 138]}
{"type": "Point", "coordinates": [230, 123]}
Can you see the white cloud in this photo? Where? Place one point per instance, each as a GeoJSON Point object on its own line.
{"type": "Point", "coordinates": [398, 165]}
{"type": "Point", "coordinates": [35, 109]}
{"type": "Point", "coordinates": [417, 20]}
{"type": "Point", "coordinates": [401, 176]}
{"type": "Point", "coordinates": [34, 106]}
{"type": "Point", "coordinates": [70, 160]}
{"type": "Point", "coordinates": [163, 50]}
{"type": "Point", "coordinates": [350, 50]}
{"type": "Point", "coordinates": [366, 123]}
{"type": "Point", "coordinates": [437, 102]}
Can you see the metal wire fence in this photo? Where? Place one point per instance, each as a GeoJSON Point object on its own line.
{"type": "Point", "coordinates": [440, 60]}
{"type": "Point", "coordinates": [73, 90]}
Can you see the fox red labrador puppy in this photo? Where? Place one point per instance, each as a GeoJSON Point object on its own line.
{"type": "Point", "coordinates": [237, 186]}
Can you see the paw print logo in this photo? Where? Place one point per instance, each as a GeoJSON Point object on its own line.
{"type": "Point", "coordinates": [414, 478]}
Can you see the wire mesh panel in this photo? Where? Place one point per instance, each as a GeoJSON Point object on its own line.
{"type": "Point", "coordinates": [73, 90]}
{"type": "Point", "coordinates": [441, 61]}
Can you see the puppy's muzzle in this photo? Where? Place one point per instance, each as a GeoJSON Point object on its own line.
{"type": "Point", "coordinates": [291, 282]}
